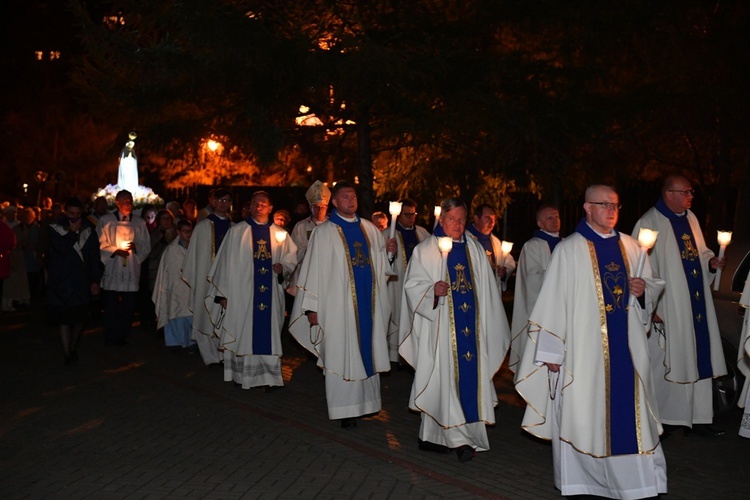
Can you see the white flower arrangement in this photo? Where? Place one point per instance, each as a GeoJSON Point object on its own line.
{"type": "Point", "coordinates": [142, 195]}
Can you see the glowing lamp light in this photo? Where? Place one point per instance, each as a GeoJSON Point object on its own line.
{"type": "Point", "coordinates": [724, 238]}
{"type": "Point", "coordinates": [212, 145]}
{"type": "Point", "coordinates": [280, 236]}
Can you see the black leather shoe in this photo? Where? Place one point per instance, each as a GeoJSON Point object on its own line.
{"type": "Point", "coordinates": [437, 448]}
{"type": "Point", "coordinates": [704, 430]}
{"type": "Point", "coordinates": [465, 453]}
{"type": "Point", "coordinates": [348, 423]}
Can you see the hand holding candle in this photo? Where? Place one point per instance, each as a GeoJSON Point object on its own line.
{"type": "Point", "coordinates": [280, 237]}
{"type": "Point", "coordinates": [445, 244]}
{"type": "Point", "coordinates": [125, 246]}
{"type": "Point", "coordinates": [724, 238]}
{"type": "Point", "coordinates": [505, 248]}
{"type": "Point", "coordinates": [394, 208]}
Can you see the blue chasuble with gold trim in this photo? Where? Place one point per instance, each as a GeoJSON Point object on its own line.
{"type": "Point", "coordinates": [263, 283]}
{"type": "Point", "coordinates": [221, 228]}
{"type": "Point", "coordinates": [358, 253]}
{"type": "Point", "coordinates": [464, 313]}
{"type": "Point", "coordinates": [409, 237]}
{"type": "Point", "coordinates": [609, 263]}
{"type": "Point", "coordinates": [691, 263]}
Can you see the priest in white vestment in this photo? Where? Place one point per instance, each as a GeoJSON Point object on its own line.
{"type": "Point", "coordinates": [318, 196]}
{"type": "Point", "coordinates": [585, 375]}
{"type": "Point", "coordinates": [502, 264]}
{"type": "Point", "coordinates": [743, 362]}
{"type": "Point", "coordinates": [171, 294]}
{"type": "Point", "coordinates": [205, 243]}
{"type": "Point", "coordinates": [341, 309]}
{"type": "Point", "coordinates": [246, 296]}
{"type": "Point", "coordinates": [408, 236]}
{"type": "Point", "coordinates": [532, 264]}
{"type": "Point", "coordinates": [687, 353]}
{"type": "Point", "coordinates": [455, 334]}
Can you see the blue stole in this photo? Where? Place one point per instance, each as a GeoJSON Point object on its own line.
{"type": "Point", "coordinates": [610, 263]}
{"type": "Point", "coordinates": [486, 241]}
{"type": "Point", "coordinates": [552, 241]}
{"type": "Point", "coordinates": [466, 331]}
{"type": "Point", "coordinates": [263, 283]}
{"type": "Point", "coordinates": [691, 263]}
{"type": "Point", "coordinates": [221, 227]}
{"type": "Point", "coordinates": [360, 269]}
{"type": "Point", "coordinates": [409, 237]}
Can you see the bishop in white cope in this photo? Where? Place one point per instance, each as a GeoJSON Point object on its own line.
{"type": "Point", "coordinates": [585, 375]}
{"type": "Point", "coordinates": [457, 346]}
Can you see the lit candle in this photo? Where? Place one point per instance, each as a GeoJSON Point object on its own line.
{"type": "Point", "coordinates": [280, 237]}
{"type": "Point", "coordinates": [724, 238]}
{"type": "Point", "coordinates": [437, 212]}
{"type": "Point", "coordinates": [445, 244]}
{"type": "Point", "coordinates": [646, 240]}
{"type": "Point", "coordinates": [124, 246]}
{"type": "Point", "coordinates": [394, 208]}
{"type": "Point", "coordinates": [505, 248]}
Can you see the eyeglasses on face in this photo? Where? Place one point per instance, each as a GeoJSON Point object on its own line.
{"type": "Point", "coordinates": [684, 192]}
{"type": "Point", "coordinates": [407, 214]}
{"type": "Point", "coordinates": [606, 205]}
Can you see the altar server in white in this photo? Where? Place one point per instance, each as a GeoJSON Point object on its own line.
{"type": "Point", "coordinates": [586, 375]}
{"type": "Point", "coordinates": [456, 346]}
{"type": "Point", "coordinates": [686, 352]}
{"type": "Point", "coordinates": [171, 294]}
{"type": "Point", "coordinates": [247, 283]}
{"type": "Point", "coordinates": [532, 264]}
{"type": "Point", "coordinates": [341, 310]}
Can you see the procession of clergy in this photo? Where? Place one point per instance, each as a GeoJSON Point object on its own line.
{"type": "Point", "coordinates": [608, 347]}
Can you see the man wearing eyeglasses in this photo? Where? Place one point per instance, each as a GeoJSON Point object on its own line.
{"type": "Point", "coordinates": [485, 219]}
{"type": "Point", "coordinates": [686, 350]}
{"type": "Point", "coordinates": [595, 398]}
{"type": "Point", "coordinates": [408, 236]}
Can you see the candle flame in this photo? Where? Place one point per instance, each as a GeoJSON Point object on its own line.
{"type": "Point", "coordinates": [445, 244]}
{"type": "Point", "coordinates": [280, 236]}
{"type": "Point", "coordinates": [724, 238]}
{"type": "Point", "coordinates": [394, 208]}
{"type": "Point", "coordinates": [506, 247]}
{"type": "Point", "coordinates": [437, 210]}
{"type": "Point", "coordinates": [647, 238]}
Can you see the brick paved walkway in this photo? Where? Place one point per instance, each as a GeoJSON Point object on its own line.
{"type": "Point", "coordinates": [143, 422]}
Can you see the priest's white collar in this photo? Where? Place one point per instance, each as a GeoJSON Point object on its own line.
{"type": "Point", "coordinates": [407, 228]}
{"type": "Point", "coordinates": [349, 219]}
{"type": "Point", "coordinates": [556, 235]}
{"type": "Point", "coordinates": [222, 217]}
{"type": "Point", "coordinates": [262, 223]}
{"type": "Point", "coordinates": [603, 235]}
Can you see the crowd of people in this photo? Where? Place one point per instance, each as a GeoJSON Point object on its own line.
{"type": "Point", "coordinates": [611, 350]}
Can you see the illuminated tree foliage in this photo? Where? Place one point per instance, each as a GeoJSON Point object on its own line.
{"type": "Point", "coordinates": [434, 97]}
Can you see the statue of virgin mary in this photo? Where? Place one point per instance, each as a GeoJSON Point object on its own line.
{"type": "Point", "coordinates": [127, 175]}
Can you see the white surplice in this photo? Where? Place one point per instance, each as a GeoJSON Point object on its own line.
{"type": "Point", "coordinates": [122, 274]}
{"type": "Point", "coordinates": [532, 264]}
{"type": "Point", "coordinates": [171, 294]}
{"type": "Point", "coordinates": [683, 398]}
{"type": "Point", "coordinates": [396, 287]}
{"type": "Point", "coordinates": [198, 261]}
{"type": "Point", "coordinates": [232, 277]}
{"type": "Point", "coordinates": [326, 287]}
{"type": "Point", "coordinates": [428, 344]}
{"type": "Point", "coordinates": [571, 410]}
{"type": "Point", "coordinates": [300, 235]}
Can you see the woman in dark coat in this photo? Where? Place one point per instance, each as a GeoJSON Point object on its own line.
{"type": "Point", "coordinates": [74, 271]}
